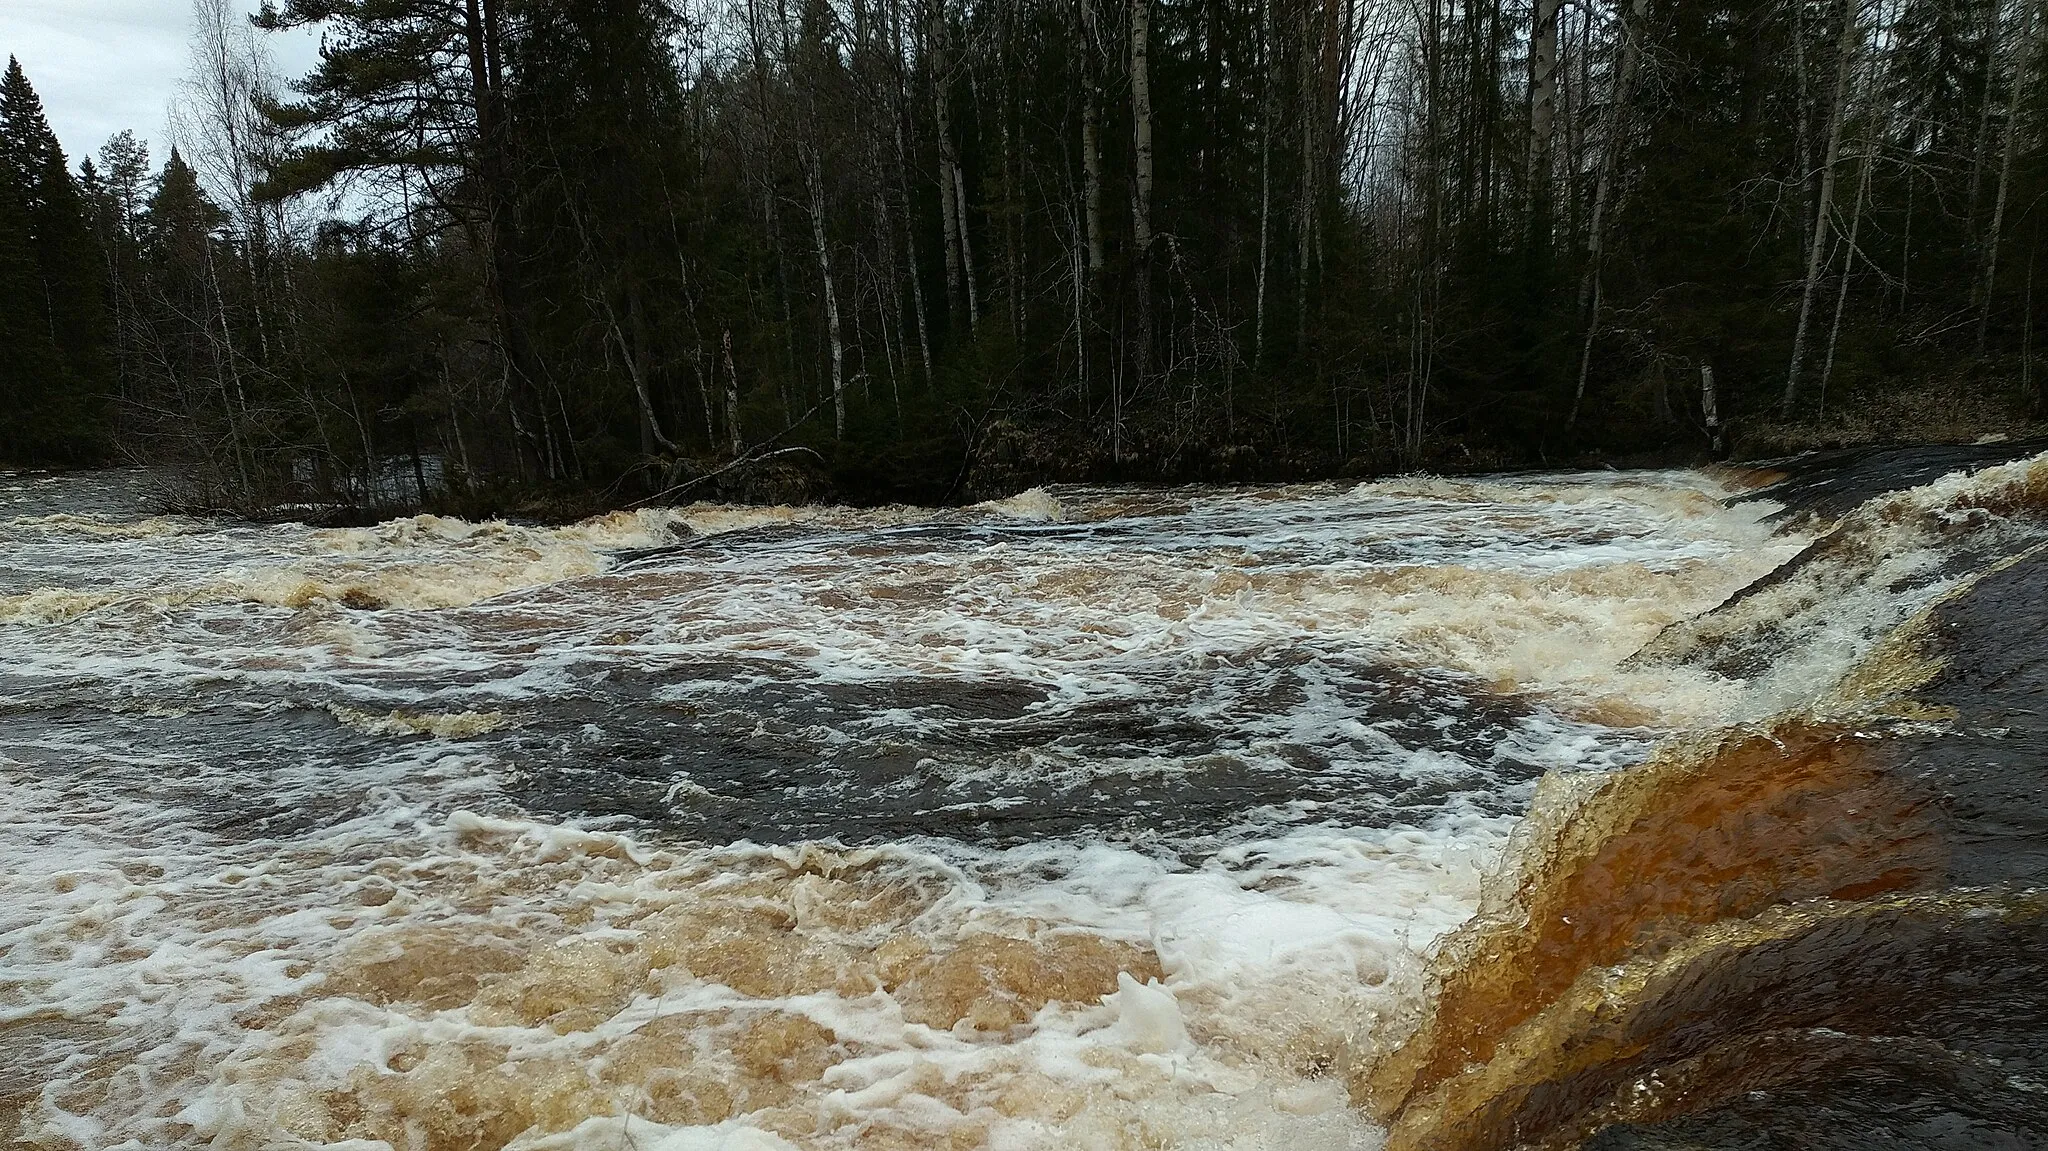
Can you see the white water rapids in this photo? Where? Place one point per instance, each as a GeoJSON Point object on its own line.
{"type": "Point", "coordinates": [1089, 818]}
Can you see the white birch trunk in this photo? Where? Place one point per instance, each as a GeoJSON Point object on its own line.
{"type": "Point", "coordinates": [1610, 159]}
{"type": "Point", "coordinates": [1844, 65]}
{"type": "Point", "coordinates": [831, 297]}
{"type": "Point", "coordinates": [1827, 370]}
{"type": "Point", "coordinates": [1141, 197]}
{"type": "Point", "coordinates": [1091, 139]}
{"type": "Point", "coordinates": [732, 399]}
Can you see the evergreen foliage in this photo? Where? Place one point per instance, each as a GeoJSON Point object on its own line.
{"type": "Point", "coordinates": [51, 292]}
{"type": "Point", "coordinates": [635, 249]}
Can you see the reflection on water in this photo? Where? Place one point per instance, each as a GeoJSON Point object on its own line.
{"type": "Point", "coordinates": [1094, 817]}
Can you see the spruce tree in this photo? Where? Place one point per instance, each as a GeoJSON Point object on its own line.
{"type": "Point", "coordinates": [176, 233]}
{"type": "Point", "coordinates": [124, 166]}
{"type": "Point", "coordinates": [30, 361]}
{"type": "Point", "coordinates": [63, 405]}
{"type": "Point", "coordinates": [181, 220]}
{"type": "Point", "coordinates": [26, 143]}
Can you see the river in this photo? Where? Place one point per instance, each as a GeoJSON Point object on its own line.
{"type": "Point", "coordinates": [1422, 813]}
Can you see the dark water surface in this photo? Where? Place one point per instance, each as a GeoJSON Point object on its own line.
{"type": "Point", "coordinates": [756, 828]}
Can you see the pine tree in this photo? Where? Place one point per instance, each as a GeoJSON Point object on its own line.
{"type": "Point", "coordinates": [115, 195]}
{"type": "Point", "coordinates": [410, 88]}
{"type": "Point", "coordinates": [124, 166]}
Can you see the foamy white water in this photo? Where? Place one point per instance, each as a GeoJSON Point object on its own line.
{"type": "Point", "coordinates": [1092, 817]}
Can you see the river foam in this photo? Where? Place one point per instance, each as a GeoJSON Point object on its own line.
{"type": "Point", "coordinates": [1096, 817]}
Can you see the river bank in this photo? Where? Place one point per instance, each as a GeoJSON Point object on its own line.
{"type": "Point", "coordinates": [1002, 458]}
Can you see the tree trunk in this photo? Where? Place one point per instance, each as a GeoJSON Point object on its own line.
{"type": "Point", "coordinates": [952, 185]}
{"type": "Point", "coordinates": [817, 189]}
{"type": "Point", "coordinates": [1906, 245]}
{"type": "Point", "coordinates": [924, 339]}
{"type": "Point", "coordinates": [1573, 103]}
{"type": "Point", "coordinates": [1542, 121]}
{"type": "Point", "coordinates": [732, 398]}
{"type": "Point", "coordinates": [924, 336]}
{"type": "Point", "coordinates": [1013, 287]}
{"type": "Point", "coordinates": [966, 247]}
{"type": "Point", "coordinates": [889, 294]}
{"type": "Point", "coordinates": [2027, 311]}
{"type": "Point", "coordinates": [1091, 138]}
{"type": "Point", "coordinates": [1265, 179]}
{"type": "Point", "coordinates": [1803, 123]}
{"type": "Point", "coordinates": [1141, 198]}
{"type": "Point", "coordinates": [1994, 27]}
{"type": "Point", "coordinates": [949, 213]}
{"type": "Point", "coordinates": [1077, 262]}
{"type": "Point", "coordinates": [1610, 159]}
{"type": "Point", "coordinates": [1306, 207]}
{"type": "Point", "coordinates": [1845, 54]}
{"type": "Point", "coordinates": [501, 229]}
{"type": "Point", "coordinates": [651, 434]}
{"type": "Point", "coordinates": [2021, 69]}
{"type": "Point", "coordinates": [1710, 407]}
{"type": "Point", "coordinates": [1827, 369]}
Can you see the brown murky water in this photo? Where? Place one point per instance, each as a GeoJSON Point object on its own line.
{"type": "Point", "coordinates": [1422, 813]}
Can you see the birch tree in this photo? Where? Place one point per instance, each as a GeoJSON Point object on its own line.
{"type": "Point", "coordinates": [1845, 61]}
{"type": "Point", "coordinates": [2015, 102]}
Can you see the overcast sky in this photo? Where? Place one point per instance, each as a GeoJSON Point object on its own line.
{"type": "Point", "coordinates": [104, 65]}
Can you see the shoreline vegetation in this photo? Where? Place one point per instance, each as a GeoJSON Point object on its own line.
{"type": "Point", "coordinates": [1923, 422]}
{"type": "Point", "coordinates": [1777, 451]}
{"type": "Point", "coordinates": [539, 258]}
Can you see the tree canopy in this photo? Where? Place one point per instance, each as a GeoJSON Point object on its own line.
{"type": "Point", "coordinates": [639, 249]}
{"type": "Point", "coordinates": [53, 373]}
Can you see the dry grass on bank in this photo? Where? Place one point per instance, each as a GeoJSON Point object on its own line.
{"type": "Point", "coordinates": [1954, 410]}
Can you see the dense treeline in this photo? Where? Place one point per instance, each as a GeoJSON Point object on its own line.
{"type": "Point", "coordinates": [650, 247]}
{"type": "Point", "coordinates": [53, 338]}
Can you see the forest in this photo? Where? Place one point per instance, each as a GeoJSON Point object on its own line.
{"type": "Point", "coordinates": [495, 253]}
